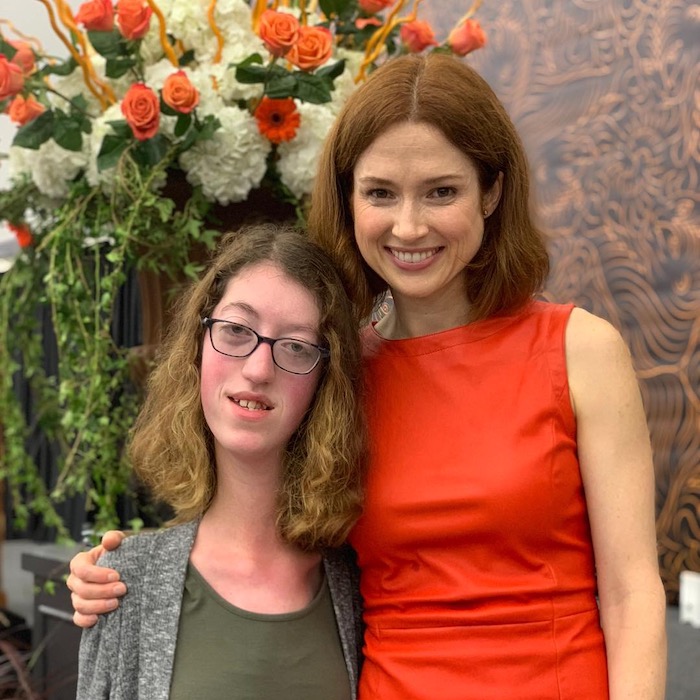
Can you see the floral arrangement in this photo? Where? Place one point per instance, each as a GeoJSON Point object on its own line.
{"type": "Point", "coordinates": [232, 98]}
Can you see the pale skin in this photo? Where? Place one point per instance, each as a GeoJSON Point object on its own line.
{"type": "Point", "coordinates": [416, 198]}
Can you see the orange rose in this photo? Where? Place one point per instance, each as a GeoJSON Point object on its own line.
{"type": "Point", "coordinates": [467, 37]}
{"type": "Point", "coordinates": [314, 48]}
{"type": "Point", "coordinates": [373, 6]}
{"type": "Point", "coordinates": [179, 93]}
{"type": "Point", "coordinates": [11, 78]}
{"type": "Point", "coordinates": [22, 111]}
{"type": "Point", "coordinates": [133, 18]}
{"type": "Point", "coordinates": [96, 15]}
{"type": "Point", "coordinates": [417, 35]}
{"type": "Point", "coordinates": [24, 58]}
{"type": "Point", "coordinates": [22, 233]}
{"type": "Point", "coordinates": [279, 31]}
{"type": "Point", "coordinates": [278, 120]}
{"type": "Point", "coordinates": [141, 109]}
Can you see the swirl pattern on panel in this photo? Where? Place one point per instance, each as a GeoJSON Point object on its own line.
{"type": "Point", "coordinates": [606, 95]}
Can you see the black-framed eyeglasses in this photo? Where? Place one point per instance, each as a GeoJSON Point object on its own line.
{"type": "Point", "coordinates": [290, 354]}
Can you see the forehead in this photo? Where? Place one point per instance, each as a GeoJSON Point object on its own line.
{"type": "Point", "coordinates": [411, 148]}
{"type": "Point", "coordinates": [264, 291]}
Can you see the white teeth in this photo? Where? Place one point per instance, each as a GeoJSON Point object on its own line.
{"type": "Point", "coordinates": [413, 257]}
{"type": "Point", "coordinates": [252, 405]}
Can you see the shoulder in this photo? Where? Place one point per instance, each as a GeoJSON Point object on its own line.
{"type": "Point", "coordinates": [597, 358]}
{"type": "Point", "coordinates": [593, 343]}
{"type": "Point", "coordinates": [147, 549]}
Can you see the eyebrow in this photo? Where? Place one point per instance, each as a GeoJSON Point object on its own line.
{"type": "Point", "coordinates": [372, 180]}
{"type": "Point", "coordinates": [249, 310]}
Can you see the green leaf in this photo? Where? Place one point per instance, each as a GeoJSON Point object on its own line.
{"type": "Point", "coordinates": [333, 71]}
{"type": "Point", "coordinates": [67, 134]}
{"type": "Point", "coordinates": [313, 88]}
{"type": "Point", "coordinates": [65, 68]}
{"type": "Point", "coordinates": [251, 60]}
{"type": "Point", "coordinates": [166, 109]}
{"type": "Point", "coordinates": [182, 124]}
{"type": "Point", "coordinates": [107, 44]}
{"type": "Point", "coordinates": [279, 88]}
{"type": "Point", "coordinates": [251, 74]}
{"type": "Point", "coordinates": [186, 58]}
{"type": "Point", "coordinates": [207, 127]}
{"type": "Point", "coordinates": [151, 151]}
{"type": "Point", "coordinates": [36, 132]}
{"type": "Point", "coordinates": [335, 7]}
{"type": "Point", "coordinates": [111, 151]}
{"type": "Point", "coordinates": [121, 128]}
{"type": "Point", "coordinates": [116, 67]}
{"type": "Point", "coordinates": [7, 49]}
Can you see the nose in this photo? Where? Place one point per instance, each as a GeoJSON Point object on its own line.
{"type": "Point", "coordinates": [409, 224]}
{"type": "Point", "coordinates": [259, 367]}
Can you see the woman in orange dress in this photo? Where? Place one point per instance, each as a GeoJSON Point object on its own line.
{"type": "Point", "coordinates": [507, 546]}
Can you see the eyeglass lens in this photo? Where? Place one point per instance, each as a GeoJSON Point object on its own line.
{"type": "Point", "coordinates": [290, 354]}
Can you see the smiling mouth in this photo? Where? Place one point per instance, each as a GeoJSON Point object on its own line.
{"type": "Point", "coordinates": [408, 257]}
{"type": "Point", "coordinates": [251, 405]}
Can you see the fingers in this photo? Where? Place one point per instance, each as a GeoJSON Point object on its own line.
{"type": "Point", "coordinates": [88, 607]}
{"type": "Point", "coordinates": [112, 539]}
{"type": "Point", "coordinates": [83, 567]}
{"type": "Point", "coordinates": [84, 621]}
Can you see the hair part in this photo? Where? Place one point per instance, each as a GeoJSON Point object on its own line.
{"type": "Point", "coordinates": [443, 92]}
{"type": "Point", "coordinates": [171, 446]}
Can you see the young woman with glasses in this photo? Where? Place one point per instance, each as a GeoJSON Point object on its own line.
{"type": "Point", "coordinates": [251, 432]}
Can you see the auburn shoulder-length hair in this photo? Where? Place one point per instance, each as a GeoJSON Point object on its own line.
{"type": "Point", "coordinates": [444, 92]}
{"type": "Point", "coordinates": [171, 446]}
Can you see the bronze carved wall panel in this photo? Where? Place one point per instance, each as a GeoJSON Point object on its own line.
{"type": "Point", "coordinates": [606, 95]}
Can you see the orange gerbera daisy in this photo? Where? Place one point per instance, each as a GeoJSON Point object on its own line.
{"type": "Point", "coordinates": [278, 120]}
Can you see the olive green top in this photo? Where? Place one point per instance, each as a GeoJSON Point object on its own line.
{"type": "Point", "coordinates": [225, 652]}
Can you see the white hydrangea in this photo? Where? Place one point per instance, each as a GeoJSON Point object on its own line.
{"type": "Point", "coordinates": [345, 83]}
{"type": "Point", "coordinates": [100, 128]}
{"type": "Point", "coordinates": [230, 164]}
{"type": "Point", "coordinates": [299, 157]}
{"type": "Point", "coordinates": [51, 167]}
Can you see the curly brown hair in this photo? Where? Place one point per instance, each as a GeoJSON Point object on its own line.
{"type": "Point", "coordinates": [444, 92]}
{"type": "Point", "coordinates": [171, 446]}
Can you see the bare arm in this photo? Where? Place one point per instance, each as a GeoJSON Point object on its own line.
{"type": "Point", "coordinates": [618, 477]}
{"type": "Point", "coordinates": [94, 589]}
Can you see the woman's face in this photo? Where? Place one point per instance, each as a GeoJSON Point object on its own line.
{"type": "Point", "coordinates": [418, 214]}
{"type": "Point", "coordinates": [251, 405]}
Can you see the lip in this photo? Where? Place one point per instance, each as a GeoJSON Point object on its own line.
{"type": "Point", "coordinates": [413, 259]}
{"type": "Point", "coordinates": [254, 398]}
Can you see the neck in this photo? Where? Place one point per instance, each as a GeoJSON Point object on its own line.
{"type": "Point", "coordinates": [243, 510]}
{"type": "Point", "coordinates": [411, 318]}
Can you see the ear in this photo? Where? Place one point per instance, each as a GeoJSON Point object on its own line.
{"type": "Point", "coordinates": [492, 197]}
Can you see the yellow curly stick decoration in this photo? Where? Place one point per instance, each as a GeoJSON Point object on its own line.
{"type": "Point", "coordinates": [302, 10]}
{"type": "Point", "coordinates": [375, 45]}
{"type": "Point", "coordinates": [66, 15]}
{"type": "Point", "coordinates": [163, 34]}
{"type": "Point", "coordinates": [31, 40]}
{"type": "Point", "coordinates": [73, 52]}
{"type": "Point", "coordinates": [216, 31]}
{"type": "Point", "coordinates": [470, 12]}
{"type": "Point", "coordinates": [258, 9]}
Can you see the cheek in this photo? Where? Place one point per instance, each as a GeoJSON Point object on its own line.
{"type": "Point", "coordinates": [211, 376]}
{"type": "Point", "coordinates": [301, 396]}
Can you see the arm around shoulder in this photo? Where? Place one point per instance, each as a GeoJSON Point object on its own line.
{"type": "Point", "coordinates": [618, 478]}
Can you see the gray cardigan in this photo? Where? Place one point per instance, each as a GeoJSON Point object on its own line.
{"type": "Point", "coordinates": [128, 654]}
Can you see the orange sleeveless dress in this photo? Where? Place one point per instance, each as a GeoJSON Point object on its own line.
{"type": "Point", "coordinates": [474, 545]}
